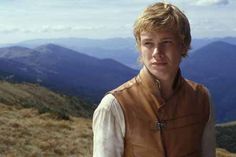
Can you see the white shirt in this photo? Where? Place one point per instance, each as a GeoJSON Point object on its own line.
{"type": "Point", "coordinates": [109, 130]}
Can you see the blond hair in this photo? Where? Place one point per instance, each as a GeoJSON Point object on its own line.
{"type": "Point", "coordinates": [164, 17]}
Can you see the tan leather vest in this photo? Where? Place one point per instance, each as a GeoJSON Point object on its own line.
{"type": "Point", "coordinates": [162, 128]}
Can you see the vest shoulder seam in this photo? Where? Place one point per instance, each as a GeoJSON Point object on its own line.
{"type": "Point", "coordinates": [127, 85]}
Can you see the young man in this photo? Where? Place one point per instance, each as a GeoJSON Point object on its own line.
{"type": "Point", "coordinates": [158, 113]}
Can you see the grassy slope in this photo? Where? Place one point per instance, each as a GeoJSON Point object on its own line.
{"type": "Point", "coordinates": [31, 95]}
{"type": "Point", "coordinates": [38, 122]}
{"type": "Point", "coordinates": [24, 132]}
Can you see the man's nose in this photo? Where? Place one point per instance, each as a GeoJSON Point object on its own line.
{"type": "Point", "coordinates": [157, 52]}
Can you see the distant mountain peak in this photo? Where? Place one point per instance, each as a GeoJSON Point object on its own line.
{"type": "Point", "coordinates": [15, 52]}
{"type": "Point", "coordinates": [49, 48]}
{"type": "Point", "coordinates": [216, 48]}
{"type": "Point", "coordinates": [63, 52]}
{"type": "Point", "coordinates": [51, 45]}
{"type": "Point", "coordinates": [220, 42]}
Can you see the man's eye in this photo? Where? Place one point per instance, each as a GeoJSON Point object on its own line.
{"type": "Point", "coordinates": [148, 43]}
{"type": "Point", "coordinates": [168, 42]}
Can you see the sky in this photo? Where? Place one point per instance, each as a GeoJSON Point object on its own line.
{"type": "Point", "coordinates": [22, 20]}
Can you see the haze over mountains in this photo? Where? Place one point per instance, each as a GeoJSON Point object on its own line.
{"type": "Point", "coordinates": [64, 70]}
{"type": "Point", "coordinates": [210, 62]}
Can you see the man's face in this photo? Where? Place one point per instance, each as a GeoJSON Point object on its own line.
{"type": "Point", "coordinates": [160, 53]}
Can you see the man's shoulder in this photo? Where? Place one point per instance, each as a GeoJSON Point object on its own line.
{"type": "Point", "coordinates": [127, 85]}
{"type": "Point", "coordinates": [195, 86]}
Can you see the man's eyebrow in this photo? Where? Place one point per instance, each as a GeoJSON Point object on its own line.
{"type": "Point", "coordinates": [147, 39]}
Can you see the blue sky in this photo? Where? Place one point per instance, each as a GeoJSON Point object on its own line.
{"type": "Point", "coordinates": [31, 19]}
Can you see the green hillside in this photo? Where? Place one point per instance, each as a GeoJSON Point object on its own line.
{"type": "Point", "coordinates": [38, 122]}
{"type": "Point", "coordinates": [31, 95]}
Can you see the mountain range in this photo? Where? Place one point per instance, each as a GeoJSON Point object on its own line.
{"type": "Point", "coordinates": [63, 69]}
{"type": "Point", "coordinates": [77, 73]}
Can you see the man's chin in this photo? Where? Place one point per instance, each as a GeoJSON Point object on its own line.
{"type": "Point", "coordinates": [159, 73]}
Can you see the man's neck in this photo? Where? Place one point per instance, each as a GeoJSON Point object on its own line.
{"type": "Point", "coordinates": [167, 86]}
{"type": "Point", "coordinates": [166, 89]}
